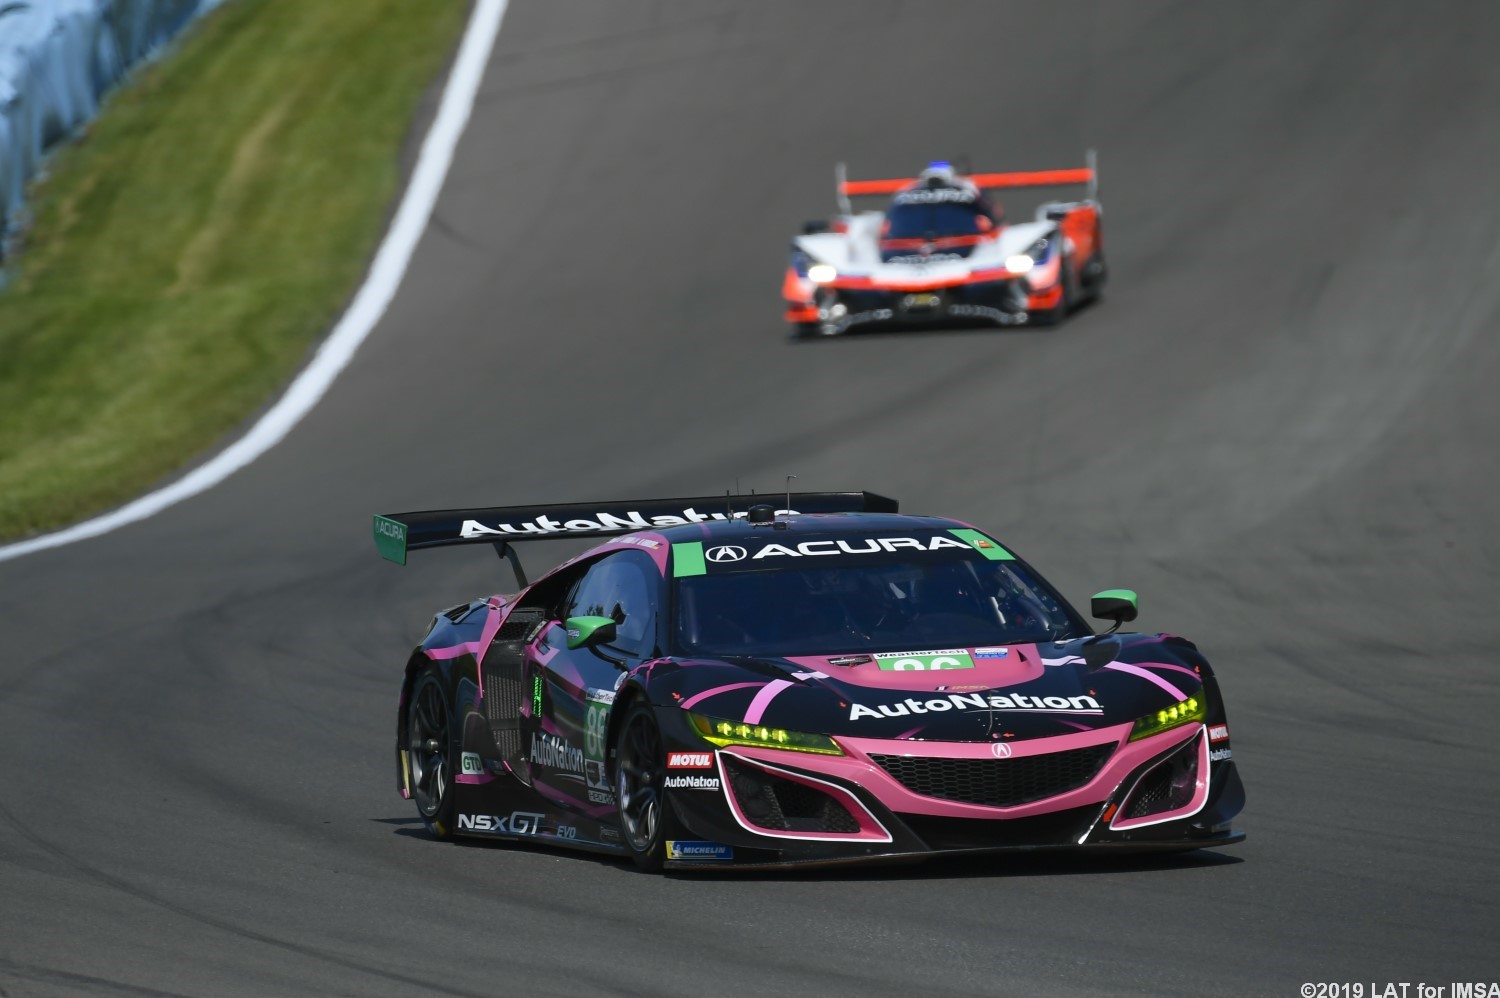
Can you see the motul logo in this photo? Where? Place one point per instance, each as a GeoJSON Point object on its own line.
{"type": "Point", "coordinates": [1218, 733]}
{"type": "Point", "coordinates": [690, 760]}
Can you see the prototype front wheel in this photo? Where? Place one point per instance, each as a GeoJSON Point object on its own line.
{"type": "Point", "coordinates": [646, 819]}
{"type": "Point", "coordinates": [429, 754]}
{"type": "Point", "coordinates": [1057, 313]}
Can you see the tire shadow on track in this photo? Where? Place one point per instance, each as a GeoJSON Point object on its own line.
{"type": "Point", "coordinates": [949, 867]}
{"type": "Point", "coordinates": [996, 866]}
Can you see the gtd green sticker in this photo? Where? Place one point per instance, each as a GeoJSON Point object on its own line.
{"type": "Point", "coordinates": [984, 545]}
{"type": "Point", "coordinates": [924, 661]}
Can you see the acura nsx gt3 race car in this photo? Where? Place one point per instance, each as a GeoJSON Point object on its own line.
{"type": "Point", "coordinates": [720, 684]}
{"type": "Point", "coordinates": [942, 253]}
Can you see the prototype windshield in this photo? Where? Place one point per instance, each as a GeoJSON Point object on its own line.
{"type": "Point", "coordinates": [936, 221]}
{"type": "Point", "coordinates": [829, 609]}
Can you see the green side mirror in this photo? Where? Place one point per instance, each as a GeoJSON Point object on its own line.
{"type": "Point", "coordinates": [1119, 605]}
{"type": "Point", "coordinates": [585, 632]}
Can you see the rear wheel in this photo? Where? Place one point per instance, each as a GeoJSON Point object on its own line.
{"type": "Point", "coordinates": [429, 754]}
{"type": "Point", "coordinates": [1095, 274]}
{"type": "Point", "coordinates": [646, 819]}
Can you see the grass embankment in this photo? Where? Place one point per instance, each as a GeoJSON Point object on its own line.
{"type": "Point", "coordinates": [192, 245]}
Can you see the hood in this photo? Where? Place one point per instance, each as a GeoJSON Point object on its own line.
{"type": "Point", "coordinates": [948, 694]}
{"type": "Point", "coordinates": [929, 251]}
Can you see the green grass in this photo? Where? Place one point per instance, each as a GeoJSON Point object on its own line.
{"type": "Point", "coordinates": [191, 246]}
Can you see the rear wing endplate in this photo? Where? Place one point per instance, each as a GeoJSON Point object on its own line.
{"type": "Point", "coordinates": [398, 533]}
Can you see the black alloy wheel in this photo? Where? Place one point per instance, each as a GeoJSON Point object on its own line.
{"type": "Point", "coordinates": [646, 818]}
{"type": "Point", "coordinates": [429, 754]}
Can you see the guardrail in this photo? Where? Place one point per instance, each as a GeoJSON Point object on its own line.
{"type": "Point", "coordinates": [57, 60]}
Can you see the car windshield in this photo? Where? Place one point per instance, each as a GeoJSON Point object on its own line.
{"type": "Point", "coordinates": [933, 221]}
{"type": "Point", "coordinates": [831, 609]}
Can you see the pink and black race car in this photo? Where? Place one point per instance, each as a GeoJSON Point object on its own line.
{"type": "Point", "coordinates": [943, 254]}
{"type": "Point", "coordinates": [725, 684]}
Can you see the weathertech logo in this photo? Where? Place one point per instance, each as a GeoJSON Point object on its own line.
{"type": "Point", "coordinates": [1218, 733]}
{"type": "Point", "coordinates": [690, 760]}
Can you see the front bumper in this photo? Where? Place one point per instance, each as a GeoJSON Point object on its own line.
{"type": "Point", "coordinates": [897, 801]}
{"type": "Point", "coordinates": [840, 309]}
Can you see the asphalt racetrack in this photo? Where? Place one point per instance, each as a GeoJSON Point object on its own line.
{"type": "Point", "coordinates": [1279, 427]}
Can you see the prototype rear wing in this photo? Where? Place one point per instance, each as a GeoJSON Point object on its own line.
{"type": "Point", "coordinates": [398, 533]}
{"type": "Point", "coordinates": [1033, 178]}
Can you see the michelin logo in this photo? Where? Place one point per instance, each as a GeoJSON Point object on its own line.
{"type": "Point", "coordinates": [698, 850]}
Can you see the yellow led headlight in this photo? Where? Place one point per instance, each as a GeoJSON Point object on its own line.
{"type": "Point", "coordinates": [1192, 710]}
{"type": "Point", "coordinates": [724, 733]}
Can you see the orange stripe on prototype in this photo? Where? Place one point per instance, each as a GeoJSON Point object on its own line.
{"type": "Point", "coordinates": [1036, 178]}
{"type": "Point", "coordinates": [876, 186]}
{"type": "Point", "coordinates": [1033, 178]}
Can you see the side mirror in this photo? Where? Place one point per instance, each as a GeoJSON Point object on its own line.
{"type": "Point", "coordinates": [1119, 605]}
{"type": "Point", "coordinates": [585, 632]}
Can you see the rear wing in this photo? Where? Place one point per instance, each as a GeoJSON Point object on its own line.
{"type": "Point", "coordinates": [1033, 178]}
{"type": "Point", "coordinates": [398, 533]}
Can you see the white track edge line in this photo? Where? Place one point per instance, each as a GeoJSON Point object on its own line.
{"type": "Point", "coordinates": [364, 311]}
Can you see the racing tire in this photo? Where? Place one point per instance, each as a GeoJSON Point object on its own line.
{"type": "Point", "coordinates": [646, 817]}
{"type": "Point", "coordinates": [1096, 275]}
{"type": "Point", "coordinates": [1057, 313]}
{"type": "Point", "coordinates": [429, 754]}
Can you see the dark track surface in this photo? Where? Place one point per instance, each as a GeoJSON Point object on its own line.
{"type": "Point", "coordinates": [1279, 427]}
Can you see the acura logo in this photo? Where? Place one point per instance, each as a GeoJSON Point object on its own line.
{"type": "Point", "coordinates": [1000, 750]}
{"type": "Point", "coordinates": [723, 553]}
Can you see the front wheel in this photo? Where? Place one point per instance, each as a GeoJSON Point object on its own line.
{"type": "Point", "coordinates": [429, 754]}
{"type": "Point", "coordinates": [1057, 313]}
{"type": "Point", "coordinates": [646, 818]}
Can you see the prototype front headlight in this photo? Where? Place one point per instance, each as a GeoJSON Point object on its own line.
{"type": "Point", "coordinates": [724, 733]}
{"type": "Point", "coordinates": [1193, 710]}
{"type": "Point", "coordinates": [1019, 264]}
{"type": "Point", "coordinates": [822, 273]}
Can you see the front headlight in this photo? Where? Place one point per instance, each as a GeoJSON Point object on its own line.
{"type": "Point", "coordinates": [725, 733]}
{"type": "Point", "coordinates": [1193, 710]}
{"type": "Point", "coordinates": [822, 273]}
{"type": "Point", "coordinates": [1019, 264]}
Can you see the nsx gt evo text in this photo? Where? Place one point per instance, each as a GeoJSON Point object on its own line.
{"type": "Point", "coordinates": [720, 684]}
